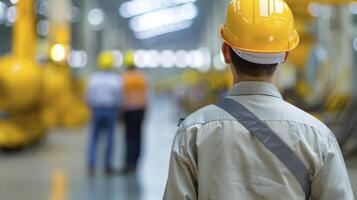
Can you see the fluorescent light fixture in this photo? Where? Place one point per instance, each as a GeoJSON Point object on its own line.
{"type": "Point", "coordinates": [139, 57]}
{"type": "Point", "coordinates": [2, 11]}
{"type": "Point", "coordinates": [319, 10]}
{"type": "Point", "coordinates": [42, 7]}
{"type": "Point", "coordinates": [11, 15]}
{"type": "Point", "coordinates": [139, 7]}
{"type": "Point", "coordinates": [95, 17]}
{"type": "Point", "coordinates": [14, 1]}
{"type": "Point", "coordinates": [163, 17]}
{"type": "Point", "coordinates": [58, 52]}
{"type": "Point", "coordinates": [167, 59]}
{"type": "Point", "coordinates": [77, 59]}
{"type": "Point", "coordinates": [153, 59]}
{"type": "Point", "coordinates": [207, 56]}
{"type": "Point", "coordinates": [314, 9]}
{"type": "Point", "coordinates": [43, 27]}
{"type": "Point", "coordinates": [118, 58]}
{"type": "Point", "coordinates": [153, 18]}
{"type": "Point", "coordinates": [199, 59]}
{"type": "Point", "coordinates": [196, 59]}
{"type": "Point", "coordinates": [163, 30]}
{"type": "Point", "coordinates": [181, 60]}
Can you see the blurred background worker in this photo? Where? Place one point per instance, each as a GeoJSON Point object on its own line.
{"type": "Point", "coordinates": [134, 105]}
{"type": "Point", "coordinates": [254, 145]}
{"type": "Point", "coordinates": [103, 97]}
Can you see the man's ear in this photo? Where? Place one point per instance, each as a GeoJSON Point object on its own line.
{"type": "Point", "coordinates": [226, 53]}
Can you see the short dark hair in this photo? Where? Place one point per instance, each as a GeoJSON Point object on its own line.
{"type": "Point", "coordinates": [251, 69]}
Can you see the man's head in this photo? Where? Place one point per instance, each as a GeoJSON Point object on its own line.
{"type": "Point", "coordinates": [258, 34]}
{"type": "Point", "coordinates": [247, 68]}
{"type": "Point", "coordinates": [105, 60]}
{"type": "Point", "coordinates": [129, 60]}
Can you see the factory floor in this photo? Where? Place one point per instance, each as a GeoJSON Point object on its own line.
{"type": "Point", "coordinates": [55, 169]}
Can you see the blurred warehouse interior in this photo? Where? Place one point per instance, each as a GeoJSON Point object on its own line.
{"type": "Point", "coordinates": [49, 48]}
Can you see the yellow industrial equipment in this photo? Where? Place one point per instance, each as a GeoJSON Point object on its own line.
{"type": "Point", "coordinates": [323, 66]}
{"type": "Point", "coordinates": [61, 104]}
{"type": "Point", "coordinates": [21, 131]}
{"type": "Point", "coordinates": [260, 26]}
{"type": "Point", "coordinates": [57, 81]}
{"type": "Point", "coordinates": [21, 84]}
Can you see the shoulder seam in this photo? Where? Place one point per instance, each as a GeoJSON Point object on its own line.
{"type": "Point", "coordinates": [183, 126]}
{"type": "Point", "coordinates": [304, 124]}
{"type": "Point", "coordinates": [203, 123]}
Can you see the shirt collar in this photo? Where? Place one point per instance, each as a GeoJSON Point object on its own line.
{"type": "Point", "coordinates": [255, 88]}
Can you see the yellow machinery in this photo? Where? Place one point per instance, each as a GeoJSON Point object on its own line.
{"type": "Point", "coordinates": [34, 99]}
{"type": "Point", "coordinates": [323, 64]}
{"type": "Point", "coordinates": [21, 85]}
{"type": "Point", "coordinates": [318, 74]}
{"type": "Point", "coordinates": [62, 103]}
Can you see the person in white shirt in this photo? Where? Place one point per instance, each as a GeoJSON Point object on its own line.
{"type": "Point", "coordinates": [104, 99]}
{"type": "Point", "coordinates": [254, 145]}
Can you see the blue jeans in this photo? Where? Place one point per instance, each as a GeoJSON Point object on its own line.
{"type": "Point", "coordinates": [103, 122]}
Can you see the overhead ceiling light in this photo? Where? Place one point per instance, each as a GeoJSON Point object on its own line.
{"type": "Point", "coordinates": [42, 7]}
{"type": "Point", "coordinates": [78, 59]}
{"type": "Point", "coordinates": [58, 52]}
{"type": "Point", "coordinates": [167, 58]}
{"type": "Point", "coordinates": [196, 59]}
{"type": "Point", "coordinates": [75, 14]}
{"type": "Point", "coordinates": [139, 57]}
{"type": "Point", "coordinates": [163, 17]}
{"type": "Point", "coordinates": [95, 17]}
{"type": "Point", "coordinates": [314, 9]}
{"type": "Point", "coordinates": [153, 18]}
{"type": "Point", "coordinates": [11, 15]}
{"type": "Point", "coordinates": [2, 11]}
{"type": "Point", "coordinates": [181, 60]}
{"type": "Point", "coordinates": [163, 30]}
{"type": "Point", "coordinates": [43, 27]}
{"type": "Point", "coordinates": [118, 58]}
{"type": "Point", "coordinates": [14, 1]}
{"type": "Point", "coordinates": [138, 7]}
{"type": "Point", "coordinates": [153, 59]}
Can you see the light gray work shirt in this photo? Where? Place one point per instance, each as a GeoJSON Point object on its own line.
{"type": "Point", "coordinates": [104, 90]}
{"type": "Point", "coordinates": [215, 158]}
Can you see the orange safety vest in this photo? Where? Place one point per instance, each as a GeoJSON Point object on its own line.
{"type": "Point", "coordinates": [134, 90]}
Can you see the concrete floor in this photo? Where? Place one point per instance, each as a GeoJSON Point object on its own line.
{"type": "Point", "coordinates": [55, 169]}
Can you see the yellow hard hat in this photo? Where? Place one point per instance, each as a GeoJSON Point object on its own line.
{"type": "Point", "coordinates": [105, 60]}
{"type": "Point", "coordinates": [129, 61]}
{"type": "Point", "coordinates": [261, 26]}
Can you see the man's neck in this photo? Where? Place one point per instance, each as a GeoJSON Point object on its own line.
{"type": "Point", "coordinates": [269, 79]}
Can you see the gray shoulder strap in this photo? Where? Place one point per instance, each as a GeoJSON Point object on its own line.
{"type": "Point", "coordinates": [273, 142]}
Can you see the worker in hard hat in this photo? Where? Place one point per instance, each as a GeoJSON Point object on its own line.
{"type": "Point", "coordinates": [253, 144]}
{"type": "Point", "coordinates": [135, 86]}
{"type": "Point", "coordinates": [104, 99]}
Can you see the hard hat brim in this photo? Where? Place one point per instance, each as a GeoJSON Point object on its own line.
{"type": "Point", "coordinates": [292, 45]}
